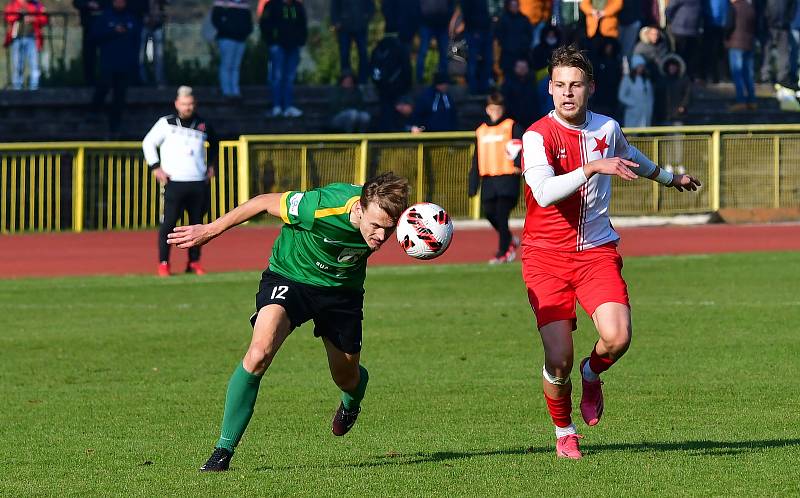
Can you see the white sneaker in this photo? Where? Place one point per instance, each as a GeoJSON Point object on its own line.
{"type": "Point", "coordinates": [276, 111]}
{"type": "Point", "coordinates": [292, 112]}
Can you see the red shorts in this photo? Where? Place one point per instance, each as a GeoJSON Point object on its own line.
{"type": "Point", "coordinates": [556, 279]}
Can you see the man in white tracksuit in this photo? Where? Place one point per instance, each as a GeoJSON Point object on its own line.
{"type": "Point", "coordinates": [175, 152]}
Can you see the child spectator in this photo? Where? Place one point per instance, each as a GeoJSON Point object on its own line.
{"type": "Point", "coordinates": [636, 94]}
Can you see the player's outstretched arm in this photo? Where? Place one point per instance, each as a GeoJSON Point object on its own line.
{"type": "Point", "coordinates": [197, 235]}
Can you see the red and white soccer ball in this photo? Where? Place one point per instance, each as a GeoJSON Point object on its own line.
{"type": "Point", "coordinates": [425, 231]}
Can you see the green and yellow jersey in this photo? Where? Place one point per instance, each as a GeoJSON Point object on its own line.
{"type": "Point", "coordinates": [318, 245]}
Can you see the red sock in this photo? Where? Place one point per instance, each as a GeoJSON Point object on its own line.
{"type": "Point", "coordinates": [597, 363]}
{"type": "Point", "coordinates": [560, 410]}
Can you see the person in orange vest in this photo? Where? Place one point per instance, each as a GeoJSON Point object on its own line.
{"type": "Point", "coordinates": [496, 170]}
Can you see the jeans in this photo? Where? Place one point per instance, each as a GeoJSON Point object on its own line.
{"type": "Point", "coordinates": [479, 60]}
{"type": "Point", "coordinates": [741, 65]}
{"type": "Point", "coordinates": [351, 121]}
{"type": "Point", "coordinates": [282, 71]}
{"type": "Point", "coordinates": [157, 35]}
{"type": "Point", "coordinates": [628, 36]}
{"type": "Point", "coordinates": [230, 60]}
{"type": "Point", "coordinates": [442, 43]}
{"type": "Point", "coordinates": [345, 39]}
{"type": "Point", "coordinates": [24, 53]}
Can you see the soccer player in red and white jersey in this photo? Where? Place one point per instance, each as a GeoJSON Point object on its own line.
{"type": "Point", "coordinates": [569, 248]}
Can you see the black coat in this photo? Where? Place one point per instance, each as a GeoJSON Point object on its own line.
{"type": "Point", "coordinates": [233, 23]}
{"type": "Point", "coordinates": [685, 17]}
{"type": "Point", "coordinates": [352, 16]}
{"type": "Point", "coordinates": [476, 15]}
{"type": "Point", "coordinates": [284, 24]}
{"type": "Point", "coordinates": [402, 17]}
{"type": "Point", "coordinates": [514, 33]}
{"type": "Point", "coordinates": [521, 99]}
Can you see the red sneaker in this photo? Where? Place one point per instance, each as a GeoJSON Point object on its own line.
{"type": "Point", "coordinates": [567, 447]}
{"type": "Point", "coordinates": [196, 268]}
{"type": "Point", "coordinates": [163, 269]}
{"type": "Point", "coordinates": [591, 399]}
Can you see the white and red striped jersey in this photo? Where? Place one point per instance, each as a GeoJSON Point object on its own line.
{"type": "Point", "coordinates": [565, 211]}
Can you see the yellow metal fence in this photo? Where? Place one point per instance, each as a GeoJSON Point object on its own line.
{"type": "Point", "coordinates": [106, 186]}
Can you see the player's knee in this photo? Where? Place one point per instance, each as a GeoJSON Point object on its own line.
{"type": "Point", "coordinates": [257, 359]}
{"type": "Point", "coordinates": [559, 366]}
{"type": "Point", "coordinates": [618, 342]}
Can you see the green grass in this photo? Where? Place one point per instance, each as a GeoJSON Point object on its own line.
{"type": "Point", "coordinates": [115, 386]}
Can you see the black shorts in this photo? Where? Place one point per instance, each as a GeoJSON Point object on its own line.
{"type": "Point", "coordinates": [337, 313]}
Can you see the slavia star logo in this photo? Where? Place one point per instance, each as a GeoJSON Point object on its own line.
{"type": "Point", "coordinates": [600, 145]}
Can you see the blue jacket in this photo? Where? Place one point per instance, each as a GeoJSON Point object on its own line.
{"type": "Point", "coordinates": [796, 17]}
{"type": "Point", "coordinates": [716, 12]}
{"type": "Point", "coordinates": [119, 50]}
{"type": "Point", "coordinates": [435, 111]}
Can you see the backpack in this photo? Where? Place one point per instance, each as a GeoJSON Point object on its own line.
{"type": "Point", "coordinates": [390, 67]}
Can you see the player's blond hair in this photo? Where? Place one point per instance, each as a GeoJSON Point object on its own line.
{"type": "Point", "coordinates": [185, 91]}
{"type": "Point", "coordinates": [571, 56]}
{"type": "Point", "coordinates": [389, 191]}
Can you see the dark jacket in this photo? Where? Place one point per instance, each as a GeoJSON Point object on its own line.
{"type": "Point", "coordinates": [476, 15]}
{"type": "Point", "coordinates": [88, 15]}
{"type": "Point", "coordinates": [741, 28]}
{"type": "Point", "coordinates": [351, 16]}
{"type": "Point", "coordinates": [607, 76]}
{"type": "Point", "coordinates": [435, 111]}
{"type": "Point", "coordinates": [514, 33]}
{"type": "Point", "coordinates": [631, 12]}
{"type": "Point", "coordinates": [284, 24]}
{"type": "Point", "coordinates": [672, 93]}
{"type": "Point", "coordinates": [685, 17]}
{"type": "Point", "coordinates": [402, 17]}
{"type": "Point", "coordinates": [521, 99]}
{"type": "Point", "coordinates": [435, 13]}
{"type": "Point", "coordinates": [341, 99]}
{"type": "Point", "coordinates": [540, 56]}
{"type": "Point", "coordinates": [501, 185]}
{"type": "Point", "coordinates": [232, 20]}
{"type": "Point", "coordinates": [119, 51]}
{"type": "Point", "coordinates": [779, 13]}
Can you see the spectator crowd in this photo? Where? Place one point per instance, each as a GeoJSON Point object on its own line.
{"type": "Point", "coordinates": [648, 54]}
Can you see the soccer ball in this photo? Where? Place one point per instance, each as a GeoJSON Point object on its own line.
{"type": "Point", "coordinates": [425, 231]}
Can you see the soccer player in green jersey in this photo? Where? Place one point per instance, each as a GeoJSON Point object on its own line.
{"type": "Point", "coordinates": [316, 272]}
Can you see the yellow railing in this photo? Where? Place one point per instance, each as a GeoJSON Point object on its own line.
{"type": "Point", "coordinates": [106, 185]}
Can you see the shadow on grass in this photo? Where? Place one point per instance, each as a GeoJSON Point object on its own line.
{"type": "Point", "coordinates": [694, 448]}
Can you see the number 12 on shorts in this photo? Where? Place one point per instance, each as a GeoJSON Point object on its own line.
{"type": "Point", "coordinates": [279, 292]}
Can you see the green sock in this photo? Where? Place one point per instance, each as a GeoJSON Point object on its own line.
{"type": "Point", "coordinates": [353, 399]}
{"type": "Point", "coordinates": [239, 403]}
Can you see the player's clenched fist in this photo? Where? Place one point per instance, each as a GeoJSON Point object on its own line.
{"type": "Point", "coordinates": [190, 236]}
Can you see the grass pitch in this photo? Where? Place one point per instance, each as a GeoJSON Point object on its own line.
{"type": "Point", "coordinates": [115, 386]}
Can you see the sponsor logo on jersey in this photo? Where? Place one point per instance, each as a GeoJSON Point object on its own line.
{"type": "Point", "coordinates": [350, 255]}
{"type": "Point", "coordinates": [331, 241]}
{"type": "Point", "coordinates": [294, 204]}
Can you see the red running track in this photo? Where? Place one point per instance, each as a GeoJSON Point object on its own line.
{"type": "Point", "coordinates": [248, 248]}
